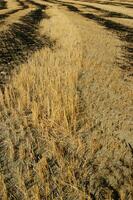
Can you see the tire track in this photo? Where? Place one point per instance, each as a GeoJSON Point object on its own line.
{"type": "Point", "coordinates": [20, 40]}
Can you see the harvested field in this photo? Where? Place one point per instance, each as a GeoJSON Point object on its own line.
{"type": "Point", "coordinates": [66, 100]}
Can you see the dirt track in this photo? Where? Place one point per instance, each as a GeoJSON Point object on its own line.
{"type": "Point", "coordinates": [105, 35]}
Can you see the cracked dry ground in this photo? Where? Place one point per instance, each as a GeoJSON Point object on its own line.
{"type": "Point", "coordinates": [88, 154]}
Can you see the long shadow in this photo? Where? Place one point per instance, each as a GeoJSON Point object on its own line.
{"type": "Point", "coordinates": [116, 4]}
{"type": "Point", "coordinates": [109, 13]}
{"type": "Point", "coordinates": [106, 13]}
{"type": "Point", "coordinates": [3, 16]}
{"type": "Point", "coordinates": [42, 6]}
{"type": "Point", "coordinates": [22, 4]}
{"type": "Point", "coordinates": [3, 5]}
{"type": "Point", "coordinates": [125, 33]}
{"type": "Point", "coordinates": [51, 1]}
{"type": "Point", "coordinates": [71, 7]}
{"type": "Point", "coordinates": [9, 13]}
{"type": "Point", "coordinates": [19, 41]}
{"type": "Point", "coordinates": [118, 15]}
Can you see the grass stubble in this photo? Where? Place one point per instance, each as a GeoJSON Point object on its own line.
{"type": "Point", "coordinates": [44, 87]}
{"type": "Point", "coordinates": [43, 97]}
{"type": "Point", "coordinates": [46, 152]}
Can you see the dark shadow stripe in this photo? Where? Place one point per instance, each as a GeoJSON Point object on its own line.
{"type": "Point", "coordinates": [117, 15]}
{"type": "Point", "coordinates": [3, 5]}
{"type": "Point", "coordinates": [109, 13]}
{"type": "Point", "coordinates": [106, 13]}
{"type": "Point", "coordinates": [116, 4]}
{"type": "Point", "coordinates": [4, 16]}
{"type": "Point", "coordinates": [124, 33]}
{"type": "Point", "coordinates": [71, 8]}
{"type": "Point", "coordinates": [22, 4]}
{"type": "Point", "coordinates": [42, 6]}
{"type": "Point", "coordinates": [19, 41]}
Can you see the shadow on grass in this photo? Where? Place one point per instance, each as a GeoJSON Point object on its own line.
{"type": "Point", "coordinates": [22, 4]}
{"type": "Point", "coordinates": [125, 33]}
{"type": "Point", "coordinates": [3, 5]}
{"type": "Point", "coordinates": [127, 5]}
{"type": "Point", "coordinates": [7, 14]}
{"type": "Point", "coordinates": [106, 13]}
{"type": "Point", "coordinates": [19, 41]}
{"type": "Point", "coordinates": [41, 6]}
{"type": "Point", "coordinates": [72, 8]}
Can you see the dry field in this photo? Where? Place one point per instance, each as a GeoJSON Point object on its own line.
{"type": "Point", "coordinates": [66, 100]}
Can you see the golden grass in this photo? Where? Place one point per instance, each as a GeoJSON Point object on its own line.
{"type": "Point", "coordinates": [41, 108]}
{"type": "Point", "coordinates": [43, 94]}
{"type": "Point", "coordinates": [45, 87]}
{"type": "Point", "coordinates": [48, 92]}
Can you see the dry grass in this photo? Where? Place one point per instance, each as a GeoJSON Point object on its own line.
{"type": "Point", "coordinates": [44, 96]}
{"type": "Point", "coordinates": [63, 115]}
{"type": "Point", "coordinates": [45, 87]}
